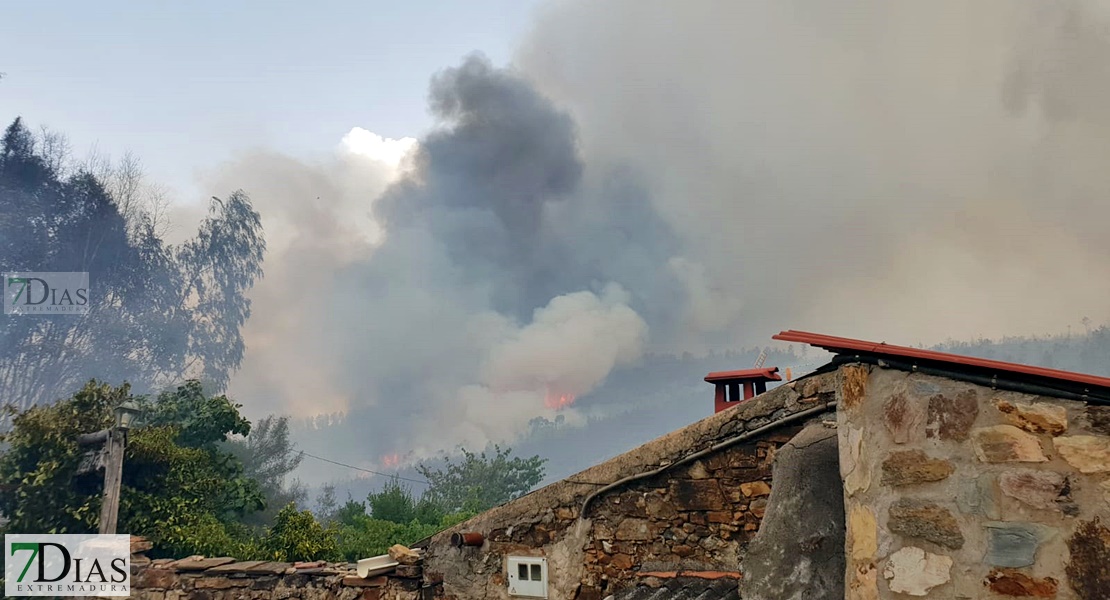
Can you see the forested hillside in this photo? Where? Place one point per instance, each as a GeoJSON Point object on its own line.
{"type": "Point", "coordinates": [1088, 352]}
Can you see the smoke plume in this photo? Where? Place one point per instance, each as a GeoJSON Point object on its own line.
{"type": "Point", "coordinates": [907, 171]}
{"type": "Point", "coordinates": [442, 299]}
{"type": "Point", "coordinates": [654, 176]}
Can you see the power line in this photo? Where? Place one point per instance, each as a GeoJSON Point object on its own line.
{"type": "Point", "coordinates": [328, 460]}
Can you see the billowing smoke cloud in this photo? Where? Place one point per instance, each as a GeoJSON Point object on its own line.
{"type": "Point", "coordinates": [676, 177]}
{"type": "Point", "coordinates": [444, 297]}
{"type": "Point", "coordinates": [908, 171]}
{"type": "Point", "coordinates": [570, 346]}
{"type": "Point", "coordinates": [318, 224]}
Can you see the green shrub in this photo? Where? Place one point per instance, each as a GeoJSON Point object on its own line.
{"type": "Point", "coordinates": [297, 535]}
{"type": "Point", "coordinates": [364, 536]}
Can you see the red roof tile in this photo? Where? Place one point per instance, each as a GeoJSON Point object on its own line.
{"type": "Point", "coordinates": [840, 345]}
{"type": "Point", "coordinates": [767, 374]}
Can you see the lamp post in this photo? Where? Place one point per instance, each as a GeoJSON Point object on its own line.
{"type": "Point", "coordinates": [114, 440]}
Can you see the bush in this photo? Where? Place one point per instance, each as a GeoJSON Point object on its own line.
{"type": "Point", "coordinates": [394, 503]}
{"type": "Point", "coordinates": [297, 535]}
{"type": "Point", "coordinates": [364, 536]}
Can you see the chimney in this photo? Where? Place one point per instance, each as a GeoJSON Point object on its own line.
{"type": "Point", "coordinates": [727, 385]}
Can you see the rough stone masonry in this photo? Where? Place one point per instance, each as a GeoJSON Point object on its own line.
{"type": "Point", "coordinates": [954, 490]}
{"type": "Point", "coordinates": [697, 516]}
{"type": "Point", "coordinates": [224, 578]}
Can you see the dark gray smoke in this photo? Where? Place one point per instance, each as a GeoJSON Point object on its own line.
{"type": "Point", "coordinates": [501, 190]}
{"type": "Point", "coordinates": [490, 299]}
{"type": "Point", "coordinates": [689, 176]}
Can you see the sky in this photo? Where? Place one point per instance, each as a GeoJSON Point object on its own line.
{"type": "Point", "coordinates": [188, 85]}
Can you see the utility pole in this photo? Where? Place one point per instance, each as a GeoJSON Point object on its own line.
{"type": "Point", "coordinates": [113, 476]}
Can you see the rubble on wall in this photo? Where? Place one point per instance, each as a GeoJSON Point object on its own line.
{"type": "Point", "coordinates": [225, 578]}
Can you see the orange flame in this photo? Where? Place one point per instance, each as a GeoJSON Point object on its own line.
{"type": "Point", "coordinates": [391, 461]}
{"type": "Point", "coordinates": [557, 401]}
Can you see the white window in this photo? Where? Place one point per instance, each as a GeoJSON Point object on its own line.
{"type": "Point", "coordinates": [527, 576]}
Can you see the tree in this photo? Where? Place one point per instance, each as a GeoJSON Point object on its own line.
{"type": "Point", "coordinates": [428, 511]}
{"type": "Point", "coordinates": [297, 535]}
{"type": "Point", "coordinates": [327, 507]}
{"type": "Point", "coordinates": [364, 536]}
{"type": "Point", "coordinates": [351, 511]}
{"type": "Point", "coordinates": [268, 457]}
{"type": "Point", "coordinates": [218, 268]}
{"type": "Point", "coordinates": [159, 314]}
{"type": "Point", "coordinates": [141, 202]}
{"type": "Point", "coordinates": [179, 488]}
{"type": "Point", "coordinates": [393, 503]}
{"type": "Point", "coordinates": [479, 482]}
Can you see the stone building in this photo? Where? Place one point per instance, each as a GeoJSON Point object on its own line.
{"type": "Point", "coordinates": [953, 477]}
{"type": "Point", "coordinates": [684, 506]}
{"type": "Point", "coordinates": [889, 473]}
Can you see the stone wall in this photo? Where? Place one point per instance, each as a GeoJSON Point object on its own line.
{"type": "Point", "coordinates": [199, 578]}
{"type": "Point", "coordinates": [697, 516]}
{"type": "Point", "coordinates": [954, 490]}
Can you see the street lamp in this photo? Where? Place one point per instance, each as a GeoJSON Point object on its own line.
{"type": "Point", "coordinates": [113, 440]}
{"type": "Point", "coordinates": [125, 414]}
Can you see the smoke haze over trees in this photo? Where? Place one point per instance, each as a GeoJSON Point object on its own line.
{"type": "Point", "coordinates": [268, 457]}
{"type": "Point", "coordinates": [159, 313]}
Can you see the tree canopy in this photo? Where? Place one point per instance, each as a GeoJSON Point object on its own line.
{"type": "Point", "coordinates": [481, 481]}
{"type": "Point", "coordinates": [159, 313]}
{"type": "Point", "coordinates": [269, 456]}
{"type": "Point", "coordinates": [180, 487]}
{"type": "Point", "coordinates": [191, 491]}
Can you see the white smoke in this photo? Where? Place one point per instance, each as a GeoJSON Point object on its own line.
{"type": "Point", "coordinates": [317, 219]}
{"type": "Point", "coordinates": [387, 151]}
{"type": "Point", "coordinates": [568, 348]}
{"type": "Point", "coordinates": [910, 171]}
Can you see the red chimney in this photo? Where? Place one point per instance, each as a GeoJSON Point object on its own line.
{"type": "Point", "coordinates": [754, 382]}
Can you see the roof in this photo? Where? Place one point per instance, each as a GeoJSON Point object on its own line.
{"type": "Point", "coordinates": [766, 374]}
{"type": "Point", "coordinates": [682, 588]}
{"type": "Point", "coordinates": [665, 452]}
{"type": "Point", "coordinates": [1051, 380]}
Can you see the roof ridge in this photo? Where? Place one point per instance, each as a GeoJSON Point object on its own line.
{"type": "Point", "coordinates": [842, 345]}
